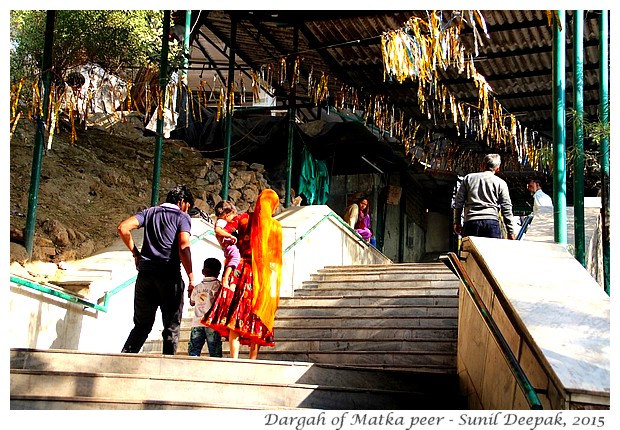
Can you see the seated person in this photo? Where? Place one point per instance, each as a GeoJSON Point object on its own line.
{"type": "Point", "coordinates": [357, 216]}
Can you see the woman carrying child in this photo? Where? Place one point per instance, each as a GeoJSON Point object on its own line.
{"type": "Point", "coordinates": [245, 309]}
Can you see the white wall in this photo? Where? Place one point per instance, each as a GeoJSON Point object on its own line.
{"type": "Point", "coordinates": [330, 243]}
{"type": "Point", "coordinates": [38, 320]}
{"type": "Point", "coordinates": [554, 317]}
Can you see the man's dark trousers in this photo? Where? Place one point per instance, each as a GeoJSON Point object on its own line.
{"type": "Point", "coordinates": [163, 289]}
{"type": "Point", "coordinates": [482, 228]}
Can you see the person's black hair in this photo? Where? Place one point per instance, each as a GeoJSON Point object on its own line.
{"type": "Point", "coordinates": [224, 207]}
{"type": "Point", "coordinates": [212, 267]}
{"type": "Point", "coordinates": [367, 210]}
{"type": "Point", "coordinates": [178, 193]}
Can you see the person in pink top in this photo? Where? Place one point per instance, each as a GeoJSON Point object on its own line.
{"type": "Point", "coordinates": [358, 217]}
{"type": "Point", "coordinates": [225, 230]}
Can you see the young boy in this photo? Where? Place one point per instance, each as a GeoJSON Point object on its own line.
{"type": "Point", "coordinates": [202, 298]}
{"type": "Point", "coordinates": [225, 227]}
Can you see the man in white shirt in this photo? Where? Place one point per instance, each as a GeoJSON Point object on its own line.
{"type": "Point", "coordinates": [540, 198]}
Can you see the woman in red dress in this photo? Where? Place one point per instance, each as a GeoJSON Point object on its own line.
{"type": "Point", "coordinates": [244, 312]}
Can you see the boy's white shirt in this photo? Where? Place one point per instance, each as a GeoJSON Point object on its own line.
{"type": "Point", "coordinates": [204, 295]}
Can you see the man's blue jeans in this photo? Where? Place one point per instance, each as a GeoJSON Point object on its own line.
{"type": "Point", "coordinates": [482, 228]}
{"type": "Point", "coordinates": [197, 339]}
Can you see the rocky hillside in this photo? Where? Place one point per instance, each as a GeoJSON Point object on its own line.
{"type": "Point", "coordinates": [88, 186]}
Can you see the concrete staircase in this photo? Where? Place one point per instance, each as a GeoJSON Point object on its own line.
{"type": "Point", "coordinates": [354, 337]}
{"type": "Point", "coordinates": [380, 316]}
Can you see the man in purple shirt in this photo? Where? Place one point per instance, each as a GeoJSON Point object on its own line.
{"type": "Point", "coordinates": [159, 283]}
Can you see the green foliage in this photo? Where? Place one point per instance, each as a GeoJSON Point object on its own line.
{"type": "Point", "coordinates": [546, 156]}
{"type": "Point", "coordinates": [593, 132]}
{"type": "Point", "coordinates": [114, 39]}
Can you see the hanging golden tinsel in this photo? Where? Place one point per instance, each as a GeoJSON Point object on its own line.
{"type": "Point", "coordinates": [418, 51]}
{"type": "Point", "coordinates": [424, 46]}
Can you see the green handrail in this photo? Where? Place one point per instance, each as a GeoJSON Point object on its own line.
{"type": "Point", "coordinates": [329, 215]}
{"type": "Point", "coordinates": [75, 299]}
{"type": "Point", "coordinates": [202, 236]}
{"type": "Point", "coordinates": [108, 294]}
{"type": "Point", "coordinates": [61, 294]}
{"type": "Point", "coordinates": [524, 383]}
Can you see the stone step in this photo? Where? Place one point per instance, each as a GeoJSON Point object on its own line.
{"type": "Point", "coordinates": [92, 381]}
{"type": "Point", "coordinates": [401, 275]}
{"type": "Point", "coordinates": [239, 370]}
{"type": "Point", "coordinates": [345, 322]}
{"type": "Point", "coordinates": [381, 289]}
{"type": "Point", "coordinates": [372, 312]}
{"type": "Point", "coordinates": [200, 391]}
{"type": "Point", "coordinates": [424, 361]}
{"type": "Point", "coordinates": [420, 361]}
{"type": "Point", "coordinates": [355, 333]}
{"type": "Point", "coordinates": [436, 342]}
{"type": "Point", "coordinates": [370, 302]}
{"type": "Point", "coordinates": [382, 345]}
{"type": "Point", "coordinates": [367, 333]}
{"type": "Point", "coordinates": [47, 403]}
{"type": "Point", "coordinates": [379, 283]}
{"type": "Point", "coordinates": [421, 267]}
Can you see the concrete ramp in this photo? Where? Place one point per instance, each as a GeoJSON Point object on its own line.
{"type": "Point", "coordinates": [553, 315]}
{"type": "Point", "coordinates": [542, 230]}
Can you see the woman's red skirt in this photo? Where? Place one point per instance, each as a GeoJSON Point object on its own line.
{"type": "Point", "coordinates": [232, 310]}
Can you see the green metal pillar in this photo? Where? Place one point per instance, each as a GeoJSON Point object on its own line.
{"type": "Point", "coordinates": [163, 83]}
{"type": "Point", "coordinates": [291, 121]}
{"type": "Point", "coordinates": [559, 130]}
{"type": "Point", "coordinates": [579, 161]}
{"type": "Point", "coordinates": [186, 36]}
{"type": "Point", "coordinates": [402, 224]}
{"type": "Point", "coordinates": [230, 101]}
{"type": "Point", "coordinates": [37, 153]}
{"type": "Point", "coordinates": [604, 150]}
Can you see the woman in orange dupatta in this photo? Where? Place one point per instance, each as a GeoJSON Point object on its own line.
{"type": "Point", "coordinates": [245, 311]}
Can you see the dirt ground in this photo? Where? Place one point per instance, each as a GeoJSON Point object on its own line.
{"type": "Point", "coordinates": [87, 187]}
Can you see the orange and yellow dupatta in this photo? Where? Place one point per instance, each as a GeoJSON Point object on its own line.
{"type": "Point", "coordinates": [266, 243]}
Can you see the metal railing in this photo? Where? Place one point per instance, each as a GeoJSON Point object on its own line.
{"type": "Point", "coordinates": [53, 291]}
{"type": "Point", "coordinates": [526, 223]}
{"type": "Point", "coordinates": [520, 376]}
{"type": "Point", "coordinates": [73, 298]}
{"type": "Point", "coordinates": [326, 217]}
{"type": "Point", "coordinates": [102, 303]}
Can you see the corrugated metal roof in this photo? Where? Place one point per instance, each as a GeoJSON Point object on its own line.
{"type": "Point", "coordinates": [516, 59]}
